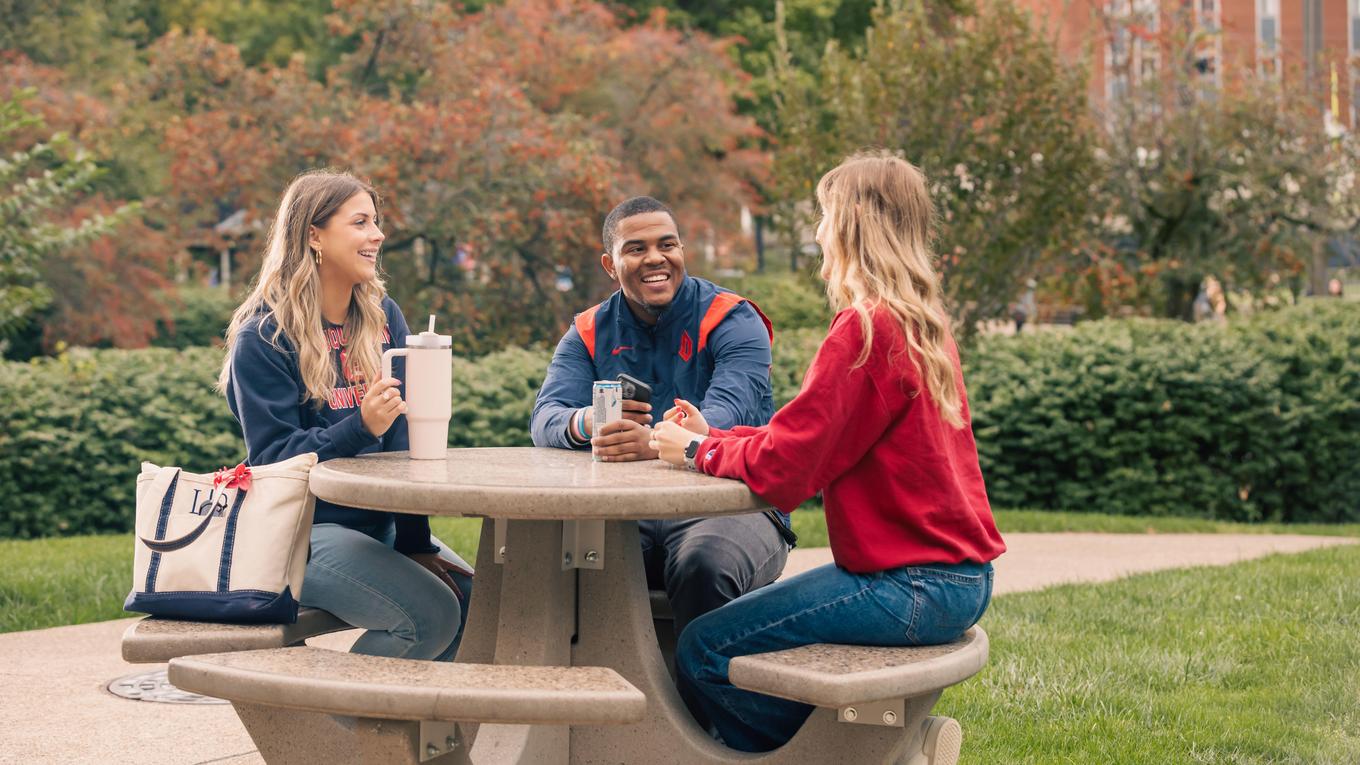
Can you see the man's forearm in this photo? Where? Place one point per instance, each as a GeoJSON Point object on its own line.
{"type": "Point", "coordinates": [549, 426]}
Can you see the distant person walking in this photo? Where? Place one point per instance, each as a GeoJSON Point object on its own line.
{"type": "Point", "coordinates": [1026, 308]}
{"type": "Point", "coordinates": [1210, 305]}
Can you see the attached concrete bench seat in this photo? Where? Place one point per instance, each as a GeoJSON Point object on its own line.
{"type": "Point", "coordinates": [838, 675]}
{"type": "Point", "coordinates": [334, 683]}
{"type": "Point", "coordinates": [872, 685]}
{"type": "Point", "coordinates": [155, 640]}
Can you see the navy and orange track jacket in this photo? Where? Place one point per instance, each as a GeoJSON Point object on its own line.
{"type": "Point", "coordinates": [711, 348]}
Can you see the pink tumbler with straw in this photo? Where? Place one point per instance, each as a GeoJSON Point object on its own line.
{"type": "Point", "coordinates": [428, 390]}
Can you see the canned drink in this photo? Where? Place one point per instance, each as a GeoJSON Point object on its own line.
{"type": "Point", "coordinates": [606, 404]}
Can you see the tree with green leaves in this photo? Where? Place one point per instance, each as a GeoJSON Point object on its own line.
{"type": "Point", "coordinates": [40, 186]}
{"type": "Point", "coordinates": [982, 103]}
{"type": "Point", "coordinates": [1243, 180]}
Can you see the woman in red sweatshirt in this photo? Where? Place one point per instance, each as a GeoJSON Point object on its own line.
{"type": "Point", "coordinates": [881, 428]}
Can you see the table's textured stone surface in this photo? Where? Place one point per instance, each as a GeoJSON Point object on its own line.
{"type": "Point", "coordinates": [527, 483]}
{"type": "Point", "coordinates": [835, 675]}
{"type": "Point", "coordinates": [371, 686]}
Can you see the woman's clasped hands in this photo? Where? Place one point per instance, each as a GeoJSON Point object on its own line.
{"type": "Point", "coordinates": [680, 425]}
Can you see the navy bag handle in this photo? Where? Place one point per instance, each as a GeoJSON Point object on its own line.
{"type": "Point", "coordinates": [159, 546]}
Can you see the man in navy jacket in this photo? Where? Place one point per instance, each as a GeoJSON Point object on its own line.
{"type": "Point", "coordinates": [686, 338]}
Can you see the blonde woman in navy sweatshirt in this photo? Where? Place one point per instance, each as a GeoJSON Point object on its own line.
{"type": "Point", "coordinates": [881, 428]}
{"type": "Point", "coordinates": [303, 374]}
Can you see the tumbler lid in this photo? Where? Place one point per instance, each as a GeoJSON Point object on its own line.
{"type": "Point", "coordinates": [429, 339]}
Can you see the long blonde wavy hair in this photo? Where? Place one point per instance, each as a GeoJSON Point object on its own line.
{"type": "Point", "coordinates": [289, 289]}
{"type": "Point", "coordinates": [877, 253]}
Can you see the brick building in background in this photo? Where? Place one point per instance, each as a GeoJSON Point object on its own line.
{"type": "Point", "coordinates": [1309, 43]}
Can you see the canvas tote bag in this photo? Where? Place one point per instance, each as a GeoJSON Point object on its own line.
{"type": "Point", "coordinates": [227, 547]}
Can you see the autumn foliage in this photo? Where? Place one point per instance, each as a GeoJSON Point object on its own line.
{"type": "Point", "coordinates": [504, 136]}
{"type": "Point", "coordinates": [498, 139]}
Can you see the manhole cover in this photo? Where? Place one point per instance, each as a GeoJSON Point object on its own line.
{"type": "Point", "coordinates": [154, 686]}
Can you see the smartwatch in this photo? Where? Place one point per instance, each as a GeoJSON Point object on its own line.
{"type": "Point", "coordinates": [692, 451]}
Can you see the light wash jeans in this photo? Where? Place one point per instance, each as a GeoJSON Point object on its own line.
{"type": "Point", "coordinates": [911, 605]}
{"type": "Point", "coordinates": [408, 612]}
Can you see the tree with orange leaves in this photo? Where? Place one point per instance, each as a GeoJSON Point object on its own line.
{"type": "Point", "coordinates": [503, 135]}
{"type": "Point", "coordinates": [43, 227]}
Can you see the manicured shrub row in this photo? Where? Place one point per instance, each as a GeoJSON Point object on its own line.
{"type": "Point", "coordinates": [76, 429]}
{"type": "Point", "coordinates": [198, 317]}
{"type": "Point", "coordinates": [1256, 421]}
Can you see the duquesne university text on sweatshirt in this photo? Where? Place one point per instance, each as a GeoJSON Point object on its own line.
{"type": "Point", "coordinates": [265, 393]}
{"type": "Point", "coordinates": [901, 486]}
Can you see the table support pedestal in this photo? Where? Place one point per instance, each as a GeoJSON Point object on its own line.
{"type": "Point", "coordinates": [523, 612]}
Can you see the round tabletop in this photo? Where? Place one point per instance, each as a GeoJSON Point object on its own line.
{"type": "Point", "coordinates": [527, 483]}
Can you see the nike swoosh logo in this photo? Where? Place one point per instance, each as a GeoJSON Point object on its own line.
{"type": "Point", "coordinates": [620, 349]}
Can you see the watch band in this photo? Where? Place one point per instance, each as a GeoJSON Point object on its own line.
{"type": "Point", "coordinates": [691, 453]}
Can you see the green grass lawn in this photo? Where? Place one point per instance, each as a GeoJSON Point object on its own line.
{"type": "Point", "coordinates": [1252, 663]}
{"type": "Point", "coordinates": [811, 526]}
{"type": "Point", "coordinates": [73, 580]}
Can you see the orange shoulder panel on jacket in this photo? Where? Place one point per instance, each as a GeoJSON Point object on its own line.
{"type": "Point", "coordinates": [722, 305]}
{"type": "Point", "coordinates": [585, 327]}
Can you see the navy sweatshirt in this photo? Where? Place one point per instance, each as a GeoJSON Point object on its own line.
{"type": "Point", "coordinates": [266, 395]}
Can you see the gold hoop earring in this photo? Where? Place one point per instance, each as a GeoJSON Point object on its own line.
{"type": "Point", "coordinates": [317, 253]}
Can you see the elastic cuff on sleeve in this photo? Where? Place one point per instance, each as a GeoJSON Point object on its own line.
{"type": "Point", "coordinates": [413, 535]}
{"type": "Point", "coordinates": [351, 436]}
{"type": "Point", "coordinates": [701, 460]}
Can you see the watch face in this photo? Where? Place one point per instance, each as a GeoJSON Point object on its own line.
{"type": "Point", "coordinates": [692, 449]}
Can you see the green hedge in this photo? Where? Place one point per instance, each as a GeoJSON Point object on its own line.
{"type": "Point", "coordinates": [1256, 421]}
{"type": "Point", "coordinates": [198, 317]}
{"type": "Point", "coordinates": [76, 429]}
{"type": "Point", "coordinates": [791, 301]}
{"type": "Point", "coordinates": [1259, 420]}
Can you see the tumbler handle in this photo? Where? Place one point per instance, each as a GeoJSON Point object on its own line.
{"type": "Point", "coordinates": [387, 357]}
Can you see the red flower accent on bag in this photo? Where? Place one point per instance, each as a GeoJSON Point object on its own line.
{"type": "Point", "coordinates": [233, 478]}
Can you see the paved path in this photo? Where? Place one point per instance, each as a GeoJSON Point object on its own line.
{"type": "Point", "coordinates": [1035, 561]}
{"type": "Point", "coordinates": [54, 706]}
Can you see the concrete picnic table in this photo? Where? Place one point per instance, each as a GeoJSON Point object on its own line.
{"type": "Point", "coordinates": [560, 581]}
{"type": "Point", "coordinates": [560, 661]}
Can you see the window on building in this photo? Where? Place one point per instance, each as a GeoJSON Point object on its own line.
{"type": "Point", "coordinates": [1355, 27]}
{"type": "Point", "coordinates": [1267, 35]}
{"type": "Point", "coordinates": [1312, 36]}
{"type": "Point", "coordinates": [1130, 58]}
{"type": "Point", "coordinates": [1354, 6]}
{"type": "Point", "coordinates": [1209, 50]}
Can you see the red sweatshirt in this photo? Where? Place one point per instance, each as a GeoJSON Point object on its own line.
{"type": "Point", "coordinates": [902, 487]}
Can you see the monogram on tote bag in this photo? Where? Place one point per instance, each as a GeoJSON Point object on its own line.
{"type": "Point", "coordinates": [229, 547]}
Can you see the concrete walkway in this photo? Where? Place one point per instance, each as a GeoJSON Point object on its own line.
{"type": "Point", "coordinates": [54, 706]}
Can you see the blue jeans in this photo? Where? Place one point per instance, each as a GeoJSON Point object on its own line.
{"type": "Point", "coordinates": [911, 605]}
{"type": "Point", "coordinates": [408, 612]}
